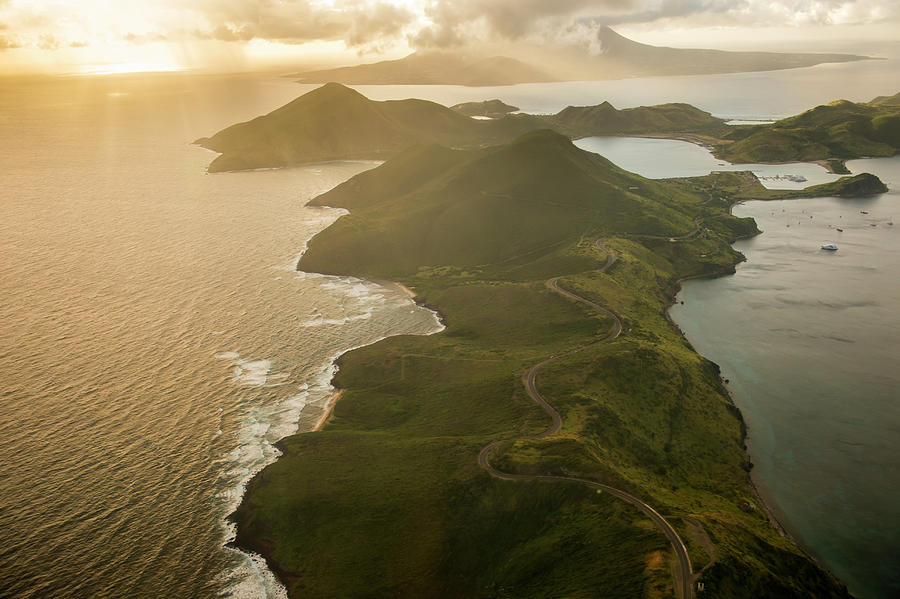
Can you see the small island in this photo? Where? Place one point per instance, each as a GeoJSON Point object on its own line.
{"type": "Point", "coordinates": [492, 109]}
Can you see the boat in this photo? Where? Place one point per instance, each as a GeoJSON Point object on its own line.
{"type": "Point", "coordinates": [830, 247]}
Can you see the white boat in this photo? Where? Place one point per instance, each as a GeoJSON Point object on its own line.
{"type": "Point", "coordinates": [830, 247]}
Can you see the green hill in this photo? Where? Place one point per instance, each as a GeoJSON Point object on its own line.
{"type": "Point", "coordinates": [555, 190]}
{"type": "Point", "coordinates": [604, 119]}
{"type": "Point", "coordinates": [840, 130]}
{"type": "Point", "coordinates": [489, 108]}
{"type": "Point", "coordinates": [388, 499]}
{"type": "Point", "coordinates": [335, 122]}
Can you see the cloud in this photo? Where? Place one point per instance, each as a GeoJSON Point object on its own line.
{"type": "Point", "coordinates": [356, 22]}
{"type": "Point", "coordinates": [455, 22]}
{"type": "Point", "coordinates": [752, 13]}
{"type": "Point", "coordinates": [7, 43]}
{"type": "Point", "coordinates": [376, 24]}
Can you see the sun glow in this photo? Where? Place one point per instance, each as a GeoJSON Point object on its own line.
{"type": "Point", "coordinates": [129, 67]}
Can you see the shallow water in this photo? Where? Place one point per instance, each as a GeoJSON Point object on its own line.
{"type": "Point", "coordinates": [807, 339]}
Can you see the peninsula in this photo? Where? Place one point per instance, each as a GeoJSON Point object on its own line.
{"type": "Point", "coordinates": [560, 437]}
{"type": "Point", "coordinates": [837, 131]}
{"type": "Point", "coordinates": [335, 122]}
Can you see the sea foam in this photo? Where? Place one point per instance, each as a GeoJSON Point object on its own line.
{"type": "Point", "coordinates": [265, 425]}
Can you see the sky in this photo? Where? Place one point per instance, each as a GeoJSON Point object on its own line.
{"type": "Point", "coordinates": [108, 36]}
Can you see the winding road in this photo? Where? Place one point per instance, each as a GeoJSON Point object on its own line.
{"type": "Point", "coordinates": [685, 584]}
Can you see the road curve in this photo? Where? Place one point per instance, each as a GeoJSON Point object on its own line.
{"type": "Point", "coordinates": [686, 584]}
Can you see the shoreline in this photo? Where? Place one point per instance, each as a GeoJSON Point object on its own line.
{"type": "Point", "coordinates": [269, 571]}
{"type": "Point", "coordinates": [329, 410]}
{"type": "Point", "coordinates": [745, 433]}
{"type": "Point", "coordinates": [337, 393]}
{"type": "Point", "coordinates": [257, 557]}
{"type": "Point", "coordinates": [768, 507]}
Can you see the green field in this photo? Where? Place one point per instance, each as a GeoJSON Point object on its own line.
{"type": "Point", "coordinates": [388, 499]}
{"type": "Point", "coordinates": [833, 132]}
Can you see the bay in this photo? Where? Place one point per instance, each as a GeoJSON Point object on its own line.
{"type": "Point", "coordinates": [807, 341]}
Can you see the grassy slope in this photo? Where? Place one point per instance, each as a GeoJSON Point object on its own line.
{"type": "Point", "coordinates": [334, 122]}
{"type": "Point", "coordinates": [388, 500]}
{"type": "Point", "coordinates": [840, 130]}
{"type": "Point", "coordinates": [488, 108]}
{"type": "Point", "coordinates": [604, 119]}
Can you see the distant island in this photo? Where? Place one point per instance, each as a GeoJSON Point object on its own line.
{"type": "Point", "coordinates": [549, 260]}
{"type": "Point", "coordinates": [492, 109]}
{"type": "Point", "coordinates": [837, 131]}
{"type": "Point", "coordinates": [335, 122]}
{"type": "Point", "coordinates": [620, 58]}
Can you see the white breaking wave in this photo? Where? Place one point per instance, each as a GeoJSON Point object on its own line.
{"type": "Point", "coordinates": [265, 425]}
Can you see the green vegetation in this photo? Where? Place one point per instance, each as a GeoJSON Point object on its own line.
{"type": "Point", "coordinates": [335, 122]}
{"type": "Point", "coordinates": [388, 499]}
{"type": "Point", "coordinates": [724, 188]}
{"type": "Point", "coordinates": [604, 119]}
{"type": "Point", "coordinates": [839, 130]}
{"type": "Point", "coordinates": [489, 108]}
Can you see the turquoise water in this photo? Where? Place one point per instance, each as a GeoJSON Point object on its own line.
{"type": "Point", "coordinates": [808, 341]}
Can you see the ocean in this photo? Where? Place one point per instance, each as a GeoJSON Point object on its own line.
{"type": "Point", "coordinates": [156, 341]}
{"type": "Point", "coordinates": [807, 339]}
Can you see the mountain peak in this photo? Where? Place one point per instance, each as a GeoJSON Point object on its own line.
{"type": "Point", "coordinates": [608, 37]}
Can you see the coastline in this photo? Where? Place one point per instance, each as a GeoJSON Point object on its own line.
{"type": "Point", "coordinates": [271, 576]}
{"type": "Point", "coordinates": [768, 508]}
{"type": "Point", "coordinates": [327, 412]}
{"type": "Point", "coordinates": [264, 542]}
{"type": "Point", "coordinates": [724, 272]}
{"type": "Point", "coordinates": [268, 571]}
